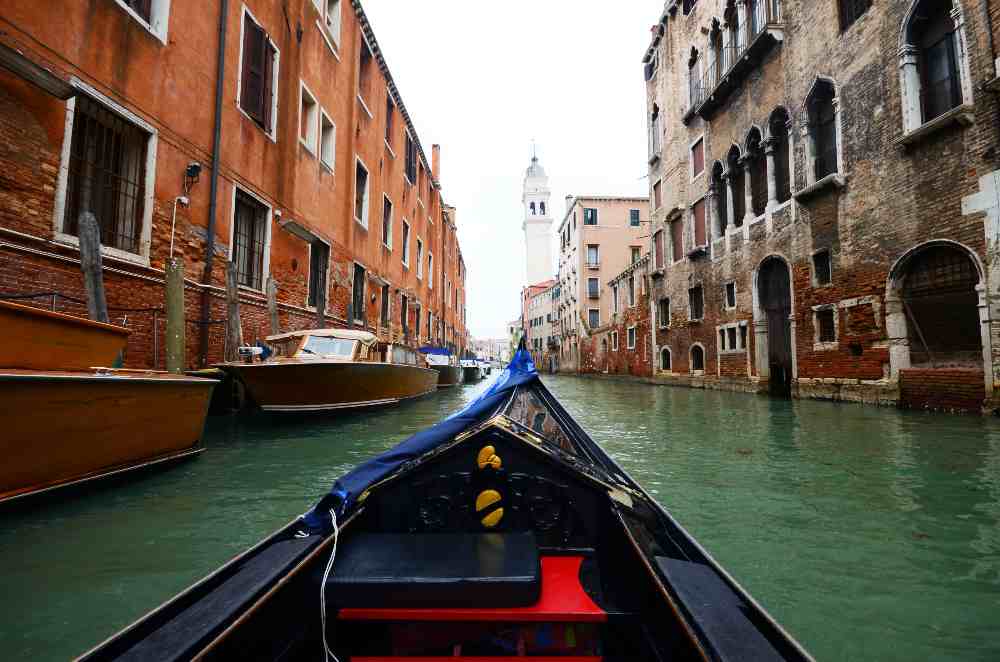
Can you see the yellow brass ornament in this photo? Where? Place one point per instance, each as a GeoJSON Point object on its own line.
{"type": "Point", "coordinates": [493, 518]}
{"type": "Point", "coordinates": [488, 458]}
{"type": "Point", "coordinates": [486, 499]}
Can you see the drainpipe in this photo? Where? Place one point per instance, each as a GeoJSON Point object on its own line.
{"type": "Point", "coordinates": [213, 202]}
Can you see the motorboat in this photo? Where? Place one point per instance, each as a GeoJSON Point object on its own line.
{"type": "Point", "coordinates": [443, 360]}
{"type": "Point", "coordinates": [332, 369]}
{"type": "Point", "coordinates": [502, 533]}
{"type": "Point", "coordinates": [470, 370]}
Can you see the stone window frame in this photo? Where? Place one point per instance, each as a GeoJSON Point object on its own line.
{"type": "Point", "coordinates": [159, 18]}
{"type": "Point", "coordinates": [594, 310]}
{"type": "Point", "coordinates": [62, 179]}
{"type": "Point", "coordinates": [272, 132]}
{"type": "Point", "coordinates": [365, 211]}
{"type": "Point", "coordinates": [630, 331]}
{"type": "Point", "coordinates": [697, 285]}
{"type": "Point", "coordinates": [670, 354]}
{"type": "Point", "coordinates": [327, 150]}
{"type": "Point", "coordinates": [812, 267]}
{"type": "Point", "coordinates": [741, 345]}
{"type": "Point", "coordinates": [265, 265]}
{"type": "Point", "coordinates": [914, 126]}
{"type": "Point", "coordinates": [704, 358]}
{"type": "Point", "coordinates": [837, 179]}
{"type": "Point", "coordinates": [691, 224]}
{"type": "Point", "coordinates": [725, 295]}
{"type": "Point", "coordinates": [311, 141]}
{"type": "Point", "coordinates": [660, 323]}
{"type": "Point", "coordinates": [825, 346]}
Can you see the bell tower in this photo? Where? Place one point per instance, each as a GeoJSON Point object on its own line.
{"type": "Point", "coordinates": [537, 223]}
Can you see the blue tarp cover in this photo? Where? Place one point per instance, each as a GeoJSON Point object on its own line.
{"type": "Point", "coordinates": [436, 351]}
{"type": "Point", "coordinates": [348, 487]}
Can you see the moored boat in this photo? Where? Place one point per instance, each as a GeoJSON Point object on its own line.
{"type": "Point", "coordinates": [333, 369]}
{"type": "Point", "coordinates": [443, 361]}
{"type": "Point", "coordinates": [501, 533]}
{"type": "Point", "coordinates": [470, 370]}
{"type": "Point", "coordinates": [65, 422]}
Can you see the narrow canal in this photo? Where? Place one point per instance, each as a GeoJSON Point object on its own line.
{"type": "Point", "coordinates": [871, 534]}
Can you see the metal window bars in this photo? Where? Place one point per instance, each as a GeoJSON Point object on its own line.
{"type": "Point", "coordinates": [248, 243]}
{"type": "Point", "coordinates": [736, 39]}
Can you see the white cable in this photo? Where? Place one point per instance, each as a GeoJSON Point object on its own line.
{"type": "Point", "coordinates": [327, 653]}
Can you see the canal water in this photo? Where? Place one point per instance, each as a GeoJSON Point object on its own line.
{"type": "Point", "coordinates": [871, 534]}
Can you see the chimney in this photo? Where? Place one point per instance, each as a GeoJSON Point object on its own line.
{"type": "Point", "coordinates": [436, 162]}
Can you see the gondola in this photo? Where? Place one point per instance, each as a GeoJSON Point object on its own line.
{"type": "Point", "coordinates": [503, 532]}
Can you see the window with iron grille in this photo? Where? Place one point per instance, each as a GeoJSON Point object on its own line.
{"type": "Point", "coordinates": [319, 260]}
{"type": "Point", "coordinates": [589, 216]}
{"type": "Point", "coordinates": [822, 268]}
{"type": "Point", "coordinates": [696, 303]}
{"type": "Point", "coordinates": [823, 129]}
{"type": "Point", "coordinates": [940, 90]}
{"type": "Point", "coordinates": [851, 10]}
{"type": "Point", "coordinates": [249, 239]}
{"type": "Point", "coordinates": [257, 84]}
{"type": "Point", "coordinates": [106, 175]}
{"type": "Point", "coordinates": [827, 327]}
{"type": "Point", "coordinates": [358, 295]}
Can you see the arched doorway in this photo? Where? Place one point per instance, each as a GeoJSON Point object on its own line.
{"type": "Point", "coordinates": [774, 287]}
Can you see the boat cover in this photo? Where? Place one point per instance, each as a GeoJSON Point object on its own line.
{"type": "Point", "coordinates": [367, 338]}
{"type": "Point", "coordinates": [348, 487]}
{"type": "Point", "coordinates": [435, 351]}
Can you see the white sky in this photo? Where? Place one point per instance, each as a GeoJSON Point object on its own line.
{"type": "Point", "coordinates": [483, 79]}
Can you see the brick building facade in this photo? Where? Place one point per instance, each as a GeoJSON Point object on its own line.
{"type": "Point", "coordinates": [825, 212]}
{"type": "Point", "coordinates": [319, 180]}
{"type": "Point", "coordinates": [540, 325]}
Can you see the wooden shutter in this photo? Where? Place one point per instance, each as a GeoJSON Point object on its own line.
{"type": "Point", "coordinates": [699, 223]}
{"type": "Point", "coordinates": [677, 239]}
{"type": "Point", "coordinates": [267, 85]}
{"type": "Point", "coordinates": [253, 74]}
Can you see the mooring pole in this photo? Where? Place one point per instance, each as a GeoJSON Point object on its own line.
{"type": "Point", "coordinates": [234, 331]}
{"type": "Point", "coordinates": [89, 233]}
{"type": "Point", "coordinates": [272, 305]}
{"type": "Point", "coordinates": [175, 338]}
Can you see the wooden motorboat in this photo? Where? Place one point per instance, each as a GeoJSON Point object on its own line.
{"type": "Point", "coordinates": [65, 422]}
{"type": "Point", "coordinates": [330, 369]}
{"type": "Point", "coordinates": [470, 370]}
{"type": "Point", "coordinates": [502, 533]}
{"type": "Point", "coordinates": [443, 361]}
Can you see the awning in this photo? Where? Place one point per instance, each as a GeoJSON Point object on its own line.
{"type": "Point", "coordinates": [18, 63]}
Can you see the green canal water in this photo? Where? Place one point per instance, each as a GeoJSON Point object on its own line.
{"type": "Point", "coordinates": [871, 534]}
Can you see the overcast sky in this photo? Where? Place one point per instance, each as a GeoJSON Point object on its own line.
{"type": "Point", "coordinates": [483, 79]}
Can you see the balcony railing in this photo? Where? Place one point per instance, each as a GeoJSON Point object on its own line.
{"type": "Point", "coordinates": [742, 46]}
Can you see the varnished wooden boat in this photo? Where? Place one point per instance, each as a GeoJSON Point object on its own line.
{"type": "Point", "coordinates": [471, 371]}
{"type": "Point", "coordinates": [500, 534]}
{"type": "Point", "coordinates": [64, 422]}
{"type": "Point", "coordinates": [333, 369]}
{"type": "Point", "coordinates": [444, 362]}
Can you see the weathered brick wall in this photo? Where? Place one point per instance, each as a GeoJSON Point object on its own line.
{"type": "Point", "coordinates": [942, 390]}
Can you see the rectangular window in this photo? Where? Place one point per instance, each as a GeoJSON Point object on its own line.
{"type": "Point", "coordinates": [664, 313]}
{"type": "Point", "coordinates": [630, 337]}
{"type": "Point", "coordinates": [593, 288]}
{"type": "Point", "coordinates": [731, 337]}
{"type": "Point", "coordinates": [743, 337]}
{"type": "Point", "coordinates": [634, 254]}
{"type": "Point", "coordinates": [331, 19]}
{"type": "Point", "coordinates": [698, 217]}
{"type": "Point", "coordinates": [677, 239]}
{"type": "Point", "coordinates": [141, 7]}
{"type": "Point", "coordinates": [430, 270]}
{"type": "Point", "coordinates": [327, 141]}
{"type": "Point", "coordinates": [698, 158]}
{"type": "Point", "coordinates": [594, 318]}
{"type": "Point", "coordinates": [658, 249]}
{"type": "Point", "coordinates": [633, 218]}
{"type": "Point", "coordinates": [361, 194]}
{"type": "Point", "coordinates": [366, 73]}
{"type": "Point", "coordinates": [822, 268]}
{"type": "Point", "coordinates": [249, 239]}
{"type": "Point", "coordinates": [420, 258]}
{"type": "Point", "coordinates": [106, 175]}
{"type": "Point", "coordinates": [387, 222]}
{"type": "Point", "coordinates": [631, 290]}
{"type": "Point", "coordinates": [358, 295]}
{"type": "Point", "coordinates": [593, 255]}
{"type": "Point", "coordinates": [308, 118]}
{"type": "Point", "coordinates": [406, 243]}
{"type": "Point", "coordinates": [827, 327]}
{"type": "Point", "coordinates": [390, 112]}
{"type": "Point", "coordinates": [411, 159]}
{"type": "Point", "coordinates": [258, 75]}
{"type": "Point", "coordinates": [319, 261]}
{"type": "Point", "coordinates": [384, 314]}
{"type": "Point", "coordinates": [614, 340]}
{"type": "Point", "coordinates": [657, 195]}
{"type": "Point", "coordinates": [589, 216]}
{"type": "Point", "coordinates": [696, 303]}
{"type": "Point", "coordinates": [614, 298]}
{"type": "Point", "coordinates": [851, 10]}
{"type": "Point", "coordinates": [730, 295]}
{"type": "Point", "coordinates": [404, 313]}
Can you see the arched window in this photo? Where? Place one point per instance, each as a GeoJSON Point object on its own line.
{"type": "Point", "coordinates": [541, 208]}
{"type": "Point", "coordinates": [736, 184]}
{"type": "Point", "coordinates": [757, 165]}
{"type": "Point", "coordinates": [694, 79]}
{"type": "Point", "coordinates": [732, 18]}
{"type": "Point", "coordinates": [823, 128]}
{"type": "Point", "coordinates": [665, 359]}
{"type": "Point", "coordinates": [697, 358]}
{"type": "Point", "coordinates": [721, 200]}
{"type": "Point", "coordinates": [531, 206]}
{"type": "Point", "coordinates": [778, 130]}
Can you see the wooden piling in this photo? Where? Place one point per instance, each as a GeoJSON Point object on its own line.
{"type": "Point", "coordinates": [89, 233]}
{"type": "Point", "coordinates": [272, 305]}
{"type": "Point", "coordinates": [321, 304]}
{"type": "Point", "coordinates": [175, 340]}
{"type": "Point", "coordinates": [234, 331]}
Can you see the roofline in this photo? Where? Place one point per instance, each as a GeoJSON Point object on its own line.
{"type": "Point", "coordinates": [671, 6]}
{"type": "Point", "coordinates": [599, 198]}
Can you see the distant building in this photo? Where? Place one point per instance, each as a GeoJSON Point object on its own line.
{"type": "Point", "coordinates": [598, 238]}
{"type": "Point", "coordinates": [825, 198]}
{"type": "Point", "coordinates": [537, 223]}
{"type": "Point", "coordinates": [540, 325]}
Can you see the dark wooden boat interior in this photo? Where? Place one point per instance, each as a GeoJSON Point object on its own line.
{"type": "Point", "coordinates": [518, 537]}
